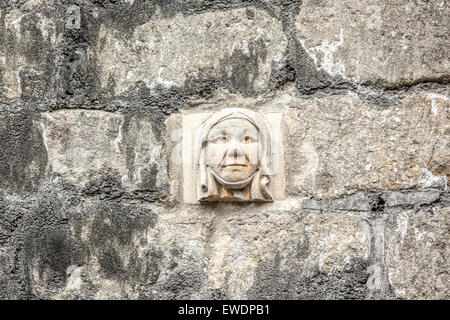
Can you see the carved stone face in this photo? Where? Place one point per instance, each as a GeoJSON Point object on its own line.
{"type": "Point", "coordinates": [234, 157]}
{"type": "Point", "coordinates": [232, 149]}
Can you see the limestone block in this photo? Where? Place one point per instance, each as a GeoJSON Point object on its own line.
{"type": "Point", "coordinates": [394, 43]}
{"type": "Point", "coordinates": [417, 253]}
{"type": "Point", "coordinates": [237, 245]}
{"type": "Point", "coordinates": [28, 39]}
{"type": "Point", "coordinates": [84, 146]}
{"type": "Point", "coordinates": [167, 52]}
{"type": "Point", "coordinates": [339, 145]}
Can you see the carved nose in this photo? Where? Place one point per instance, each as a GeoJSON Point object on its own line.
{"type": "Point", "coordinates": [235, 154]}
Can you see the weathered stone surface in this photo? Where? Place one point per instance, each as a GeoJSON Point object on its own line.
{"type": "Point", "coordinates": [91, 193]}
{"type": "Point", "coordinates": [339, 145]}
{"type": "Point", "coordinates": [239, 50]}
{"type": "Point", "coordinates": [94, 249]}
{"type": "Point", "coordinates": [23, 156]}
{"type": "Point", "coordinates": [428, 180]}
{"type": "Point", "coordinates": [86, 146]}
{"type": "Point", "coordinates": [47, 241]}
{"type": "Point", "coordinates": [355, 202]}
{"type": "Point", "coordinates": [391, 43]}
{"type": "Point", "coordinates": [28, 38]}
{"type": "Point", "coordinates": [294, 248]}
{"type": "Point", "coordinates": [416, 198]}
{"type": "Point", "coordinates": [417, 253]}
{"type": "Point", "coordinates": [279, 253]}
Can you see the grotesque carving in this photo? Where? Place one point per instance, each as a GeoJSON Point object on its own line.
{"type": "Point", "coordinates": [235, 157]}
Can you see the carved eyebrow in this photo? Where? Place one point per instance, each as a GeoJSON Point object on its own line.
{"type": "Point", "coordinates": [216, 135]}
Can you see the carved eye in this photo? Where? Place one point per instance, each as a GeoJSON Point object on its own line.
{"type": "Point", "coordinates": [247, 139]}
{"type": "Point", "coordinates": [221, 139]}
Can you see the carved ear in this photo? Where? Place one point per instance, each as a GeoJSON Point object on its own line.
{"type": "Point", "coordinates": [211, 191]}
{"type": "Point", "coordinates": [264, 182]}
{"type": "Point", "coordinates": [259, 188]}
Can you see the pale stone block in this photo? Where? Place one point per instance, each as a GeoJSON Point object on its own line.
{"type": "Point", "coordinates": [83, 145]}
{"type": "Point", "coordinates": [391, 42]}
{"type": "Point", "coordinates": [338, 145]}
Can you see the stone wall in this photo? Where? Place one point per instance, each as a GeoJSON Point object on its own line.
{"type": "Point", "coordinates": [90, 201]}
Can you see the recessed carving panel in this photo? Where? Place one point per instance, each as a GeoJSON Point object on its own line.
{"type": "Point", "coordinates": [232, 155]}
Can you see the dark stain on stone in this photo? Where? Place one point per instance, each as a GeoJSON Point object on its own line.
{"type": "Point", "coordinates": [378, 204]}
{"type": "Point", "coordinates": [171, 8]}
{"type": "Point", "coordinates": [111, 263]}
{"type": "Point", "coordinates": [114, 221]}
{"type": "Point", "coordinates": [271, 282]}
{"type": "Point", "coordinates": [106, 188]}
{"type": "Point", "coordinates": [129, 147]}
{"type": "Point", "coordinates": [49, 238]}
{"type": "Point", "coordinates": [244, 68]}
{"type": "Point", "coordinates": [40, 241]}
{"type": "Point", "coordinates": [176, 251]}
{"type": "Point", "coordinates": [23, 157]}
{"type": "Point", "coordinates": [153, 264]}
{"type": "Point", "coordinates": [148, 177]}
{"type": "Point", "coordinates": [55, 247]}
{"type": "Point", "coordinates": [10, 219]}
{"type": "Point", "coordinates": [183, 283]}
{"type": "Point", "coordinates": [281, 76]}
{"type": "Point", "coordinates": [250, 14]}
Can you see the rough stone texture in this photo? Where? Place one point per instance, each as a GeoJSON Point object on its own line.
{"type": "Point", "coordinates": [417, 254]}
{"type": "Point", "coordinates": [418, 198]}
{"type": "Point", "coordinates": [84, 146]}
{"type": "Point", "coordinates": [394, 43]}
{"type": "Point", "coordinates": [120, 250]}
{"type": "Point", "coordinates": [168, 52]}
{"type": "Point", "coordinates": [91, 199]}
{"type": "Point", "coordinates": [22, 152]}
{"type": "Point", "coordinates": [28, 39]}
{"type": "Point", "coordinates": [340, 145]}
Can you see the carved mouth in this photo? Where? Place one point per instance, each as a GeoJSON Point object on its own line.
{"type": "Point", "coordinates": [234, 165]}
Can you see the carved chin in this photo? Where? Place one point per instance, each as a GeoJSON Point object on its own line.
{"type": "Point", "coordinates": [236, 183]}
